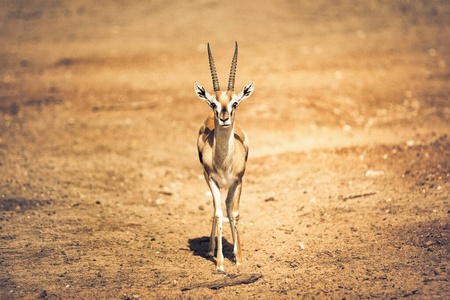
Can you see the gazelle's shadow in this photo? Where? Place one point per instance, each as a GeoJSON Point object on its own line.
{"type": "Point", "coordinates": [199, 247]}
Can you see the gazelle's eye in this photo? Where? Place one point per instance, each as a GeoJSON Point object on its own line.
{"type": "Point", "coordinates": [235, 104]}
{"type": "Point", "coordinates": [213, 105]}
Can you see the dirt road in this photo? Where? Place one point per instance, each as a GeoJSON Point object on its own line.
{"type": "Point", "coordinates": [346, 193]}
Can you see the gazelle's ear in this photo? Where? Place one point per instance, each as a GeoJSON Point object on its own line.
{"type": "Point", "coordinates": [246, 91]}
{"type": "Point", "coordinates": [202, 93]}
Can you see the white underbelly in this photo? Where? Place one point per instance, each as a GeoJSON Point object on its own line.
{"type": "Point", "coordinates": [224, 179]}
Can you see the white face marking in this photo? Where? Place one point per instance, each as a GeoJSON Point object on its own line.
{"type": "Point", "coordinates": [224, 108]}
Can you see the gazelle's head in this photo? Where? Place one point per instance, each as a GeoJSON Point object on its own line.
{"type": "Point", "coordinates": [224, 104]}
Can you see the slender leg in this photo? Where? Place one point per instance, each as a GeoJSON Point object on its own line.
{"type": "Point", "coordinates": [232, 202]}
{"type": "Point", "coordinates": [217, 224]}
{"type": "Point", "coordinates": [212, 239]}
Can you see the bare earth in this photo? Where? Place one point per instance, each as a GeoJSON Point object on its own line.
{"type": "Point", "coordinates": [346, 193]}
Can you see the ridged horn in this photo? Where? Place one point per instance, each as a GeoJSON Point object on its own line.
{"type": "Point", "coordinates": [212, 67]}
{"type": "Point", "coordinates": [233, 69]}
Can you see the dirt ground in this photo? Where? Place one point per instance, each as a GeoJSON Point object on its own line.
{"type": "Point", "coordinates": [346, 193]}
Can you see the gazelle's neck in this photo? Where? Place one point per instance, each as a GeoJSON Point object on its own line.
{"type": "Point", "coordinates": [223, 148]}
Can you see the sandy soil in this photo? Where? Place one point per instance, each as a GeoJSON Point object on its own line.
{"type": "Point", "coordinates": [346, 193]}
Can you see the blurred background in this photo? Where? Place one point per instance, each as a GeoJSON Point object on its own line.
{"type": "Point", "coordinates": [317, 64]}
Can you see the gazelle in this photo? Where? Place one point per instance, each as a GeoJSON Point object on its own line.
{"type": "Point", "coordinates": [223, 150]}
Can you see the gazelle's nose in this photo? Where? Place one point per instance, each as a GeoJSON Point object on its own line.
{"type": "Point", "coordinates": [224, 115]}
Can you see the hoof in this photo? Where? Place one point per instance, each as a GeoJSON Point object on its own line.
{"type": "Point", "coordinates": [220, 269]}
{"type": "Point", "coordinates": [238, 261]}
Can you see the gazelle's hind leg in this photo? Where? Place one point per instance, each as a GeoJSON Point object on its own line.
{"type": "Point", "coordinates": [233, 198]}
{"type": "Point", "coordinates": [217, 225]}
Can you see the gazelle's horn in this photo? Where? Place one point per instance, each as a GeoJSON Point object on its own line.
{"type": "Point", "coordinates": [233, 70]}
{"type": "Point", "coordinates": [214, 76]}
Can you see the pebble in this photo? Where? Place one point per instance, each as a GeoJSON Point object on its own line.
{"type": "Point", "coordinates": [160, 201]}
{"type": "Point", "coordinates": [347, 128]}
{"type": "Point", "coordinates": [302, 246]}
{"type": "Point", "coordinates": [372, 173]}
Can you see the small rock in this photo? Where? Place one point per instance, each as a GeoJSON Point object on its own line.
{"type": "Point", "coordinates": [43, 294]}
{"type": "Point", "coordinates": [410, 143]}
{"type": "Point", "coordinates": [372, 173]}
{"type": "Point", "coordinates": [302, 246]}
{"type": "Point", "coordinates": [160, 201]}
{"type": "Point", "coordinates": [347, 128]}
{"type": "Point", "coordinates": [429, 243]}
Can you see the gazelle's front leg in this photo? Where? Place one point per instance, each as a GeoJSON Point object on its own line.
{"type": "Point", "coordinates": [233, 198]}
{"type": "Point", "coordinates": [217, 224]}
